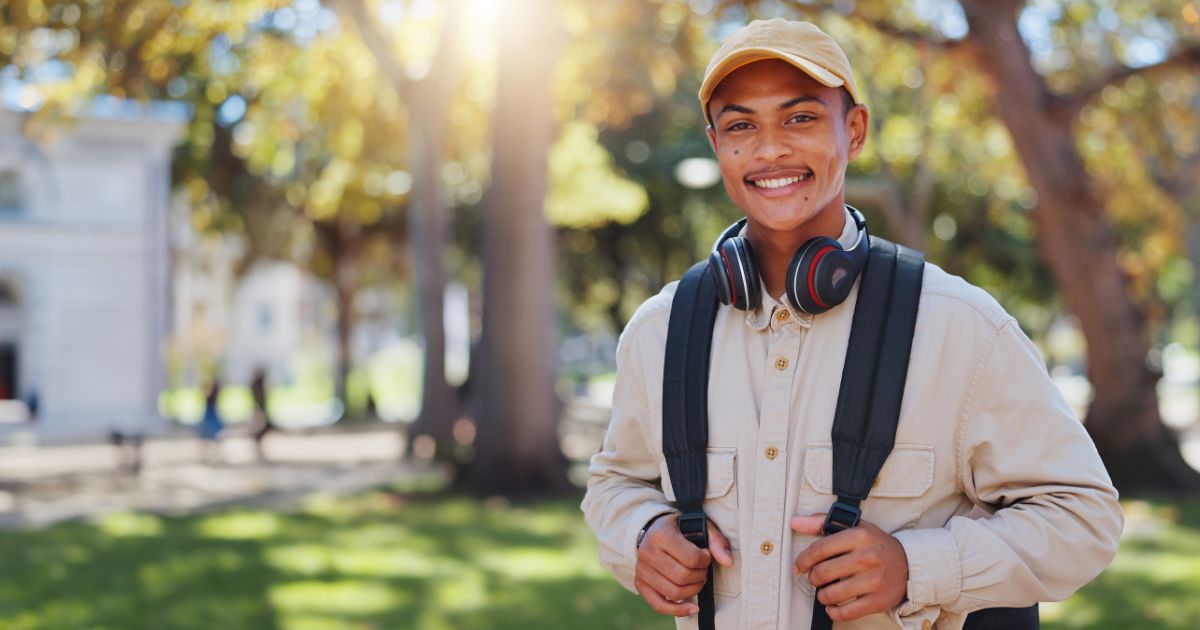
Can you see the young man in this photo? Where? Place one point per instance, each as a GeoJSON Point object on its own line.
{"type": "Point", "coordinates": [993, 495]}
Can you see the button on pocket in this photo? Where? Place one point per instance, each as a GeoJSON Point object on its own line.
{"type": "Point", "coordinates": [721, 506]}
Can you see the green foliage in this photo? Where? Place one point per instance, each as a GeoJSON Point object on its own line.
{"type": "Point", "coordinates": [584, 191]}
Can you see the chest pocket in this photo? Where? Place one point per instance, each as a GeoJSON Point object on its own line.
{"type": "Point", "coordinates": [897, 498]}
{"type": "Point", "coordinates": [721, 506]}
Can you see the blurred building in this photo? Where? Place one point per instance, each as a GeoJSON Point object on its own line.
{"type": "Point", "coordinates": [83, 270]}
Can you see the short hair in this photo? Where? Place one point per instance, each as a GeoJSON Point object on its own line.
{"type": "Point", "coordinates": [847, 101]}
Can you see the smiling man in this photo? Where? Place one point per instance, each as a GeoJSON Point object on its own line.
{"type": "Point", "coordinates": [993, 494]}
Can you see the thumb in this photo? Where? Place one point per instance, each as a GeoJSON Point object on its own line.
{"type": "Point", "coordinates": [810, 525]}
{"type": "Point", "coordinates": [718, 544]}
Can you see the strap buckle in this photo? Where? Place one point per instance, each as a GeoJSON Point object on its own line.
{"type": "Point", "coordinates": [841, 516]}
{"type": "Point", "coordinates": [694, 527]}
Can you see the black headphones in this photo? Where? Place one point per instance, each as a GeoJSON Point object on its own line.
{"type": "Point", "coordinates": [819, 277]}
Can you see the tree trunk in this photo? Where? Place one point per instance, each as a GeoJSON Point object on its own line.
{"type": "Point", "coordinates": [344, 277]}
{"type": "Point", "coordinates": [1076, 241]}
{"type": "Point", "coordinates": [428, 228]}
{"type": "Point", "coordinates": [517, 450]}
{"type": "Point", "coordinates": [426, 100]}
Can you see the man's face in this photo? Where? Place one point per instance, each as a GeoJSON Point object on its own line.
{"type": "Point", "coordinates": [783, 141]}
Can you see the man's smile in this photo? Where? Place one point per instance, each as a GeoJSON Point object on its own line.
{"type": "Point", "coordinates": [779, 183]}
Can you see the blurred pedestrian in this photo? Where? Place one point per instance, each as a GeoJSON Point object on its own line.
{"type": "Point", "coordinates": [262, 417]}
{"type": "Point", "coordinates": [211, 427]}
{"type": "Point", "coordinates": [32, 402]}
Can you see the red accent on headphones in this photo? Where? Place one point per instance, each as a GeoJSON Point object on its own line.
{"type": "Point", "coordinates": [812, 275]}
{"type": "Point", "coordinates": [732, 284]}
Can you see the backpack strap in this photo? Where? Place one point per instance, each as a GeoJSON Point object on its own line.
{"type": "Point", "coordinates": [685, 410]}
{"type": "Point", "coordinates": [868, 406]}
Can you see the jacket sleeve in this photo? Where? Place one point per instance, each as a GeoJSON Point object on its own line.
{"type": "Point", "coordinates": [1053, 521]}
{"type": "Point", "coordinates": [624, 487]}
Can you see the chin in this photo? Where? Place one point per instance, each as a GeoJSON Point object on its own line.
{"type": "Point", "coordinates": [781, 218]}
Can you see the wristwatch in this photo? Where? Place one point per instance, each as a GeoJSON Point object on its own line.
{"type": "Point", "coordinates": [646, 528]}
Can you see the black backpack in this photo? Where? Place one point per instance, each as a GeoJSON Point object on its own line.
{"type": "Point", "coordinates": [864, 426]}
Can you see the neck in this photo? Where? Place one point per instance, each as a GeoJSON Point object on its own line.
{"type": "Point", "coordinates": [774, 249]}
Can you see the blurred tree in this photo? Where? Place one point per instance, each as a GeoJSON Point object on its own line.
{"type": "Point", "coordinates": [518, 450]}
{"type": "Point", "coordinates": [426, 100]}
{"type": "Point", "coordinates": [316, 131]}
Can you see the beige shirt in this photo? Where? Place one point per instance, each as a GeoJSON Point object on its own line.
{"type": "Point", "coordinates": [993, 488]}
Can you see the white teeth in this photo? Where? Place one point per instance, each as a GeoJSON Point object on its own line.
{"type": "Point", "coordinates": [776, 183]}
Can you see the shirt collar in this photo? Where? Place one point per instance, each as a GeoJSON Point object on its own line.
{"type": "Point", "coordinates": [760, 318]}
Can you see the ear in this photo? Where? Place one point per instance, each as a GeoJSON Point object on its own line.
{"type": "Point", "coordinates": [856, 128]}
{"type": "Point", "coordinates": [712, 137]}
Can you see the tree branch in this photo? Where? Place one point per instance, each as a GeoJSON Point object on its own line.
{"type": "Point", "coordinates": [379, 44]}
{"type": "Point", "coordinates": [1067, 107]}
{"type": "Point", "coordinates": [913, 37]}
{"type": "Point", "coordinates": [886, 28]}
{"type": "Point", "coordinates": [444, 69]}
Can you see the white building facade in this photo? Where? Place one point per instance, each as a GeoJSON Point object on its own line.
{"type": "Point", "coordinates": [84, 269]}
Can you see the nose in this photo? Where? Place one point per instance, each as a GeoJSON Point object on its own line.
{"type": "Point", "coordinates": [772, 145]}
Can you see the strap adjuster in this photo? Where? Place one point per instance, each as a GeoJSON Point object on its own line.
{"type": "Point", "coordinates": [694, 527]}
{"type": "Point", "coordinates": [841, 516]}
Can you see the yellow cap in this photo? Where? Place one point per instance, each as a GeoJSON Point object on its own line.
{"type": "Point", "coordinates": [801, 44]}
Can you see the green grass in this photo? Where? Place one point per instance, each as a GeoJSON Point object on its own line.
{"type": "Point", "coordinates": [376, 560]}
{"type": "Point", "coordinates": [400, 559]}
{"type": "Point", "coordinates": [1154, 581]}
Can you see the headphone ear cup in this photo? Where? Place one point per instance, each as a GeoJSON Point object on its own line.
{"type": "Point", "coordinates": [749, 285]}
{"type": "Point", "coordinates": [733, 269]}
{"type": "Point", "coordinates": [833, 277]}
{"type": "Point", "coordinates": [801, 285]}
{"type": "Point", "coordinates": [720, 274]}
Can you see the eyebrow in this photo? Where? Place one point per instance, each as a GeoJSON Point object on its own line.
{"type": "Point", "coordinates": [742, 109]}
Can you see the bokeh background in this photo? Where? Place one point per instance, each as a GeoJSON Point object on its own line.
{"type": "Point", "coordinates": [308, 307]}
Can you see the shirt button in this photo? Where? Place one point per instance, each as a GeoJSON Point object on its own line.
{"type": "Point", "coordinates": [927, 625]}
{"type": "Point", "coordinates": [783, 315]}
{"type": "Point", "coordinates": [781, 364]}
{"type": "Point", "coordinates": [766, 548]}
{"type": "Point", "coordinates": [772, 452]}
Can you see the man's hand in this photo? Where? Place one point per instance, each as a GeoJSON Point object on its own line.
{"type": "Point", "coordinates": [670, 569]}
{"type": "Point", "coordinates": [859, 571]}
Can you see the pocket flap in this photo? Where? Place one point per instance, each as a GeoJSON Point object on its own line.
{"type": "Point", "coordinates": [720, 464]}
{"type": "Point", "coordinates": [907, 472]}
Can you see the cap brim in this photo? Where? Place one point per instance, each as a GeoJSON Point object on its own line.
{"type": "Point", "coordinates": [750, 55]}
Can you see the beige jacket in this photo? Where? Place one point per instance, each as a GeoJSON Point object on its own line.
{"type": "Point", "coordinates": [994, 488]}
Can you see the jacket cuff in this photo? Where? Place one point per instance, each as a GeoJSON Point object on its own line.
{"type": "Point", "coordinates": [934, 570]}
{"type": "Point", "coordinates": [637, 521]}
{"type": "Point", "coordinates": [917, 619]}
